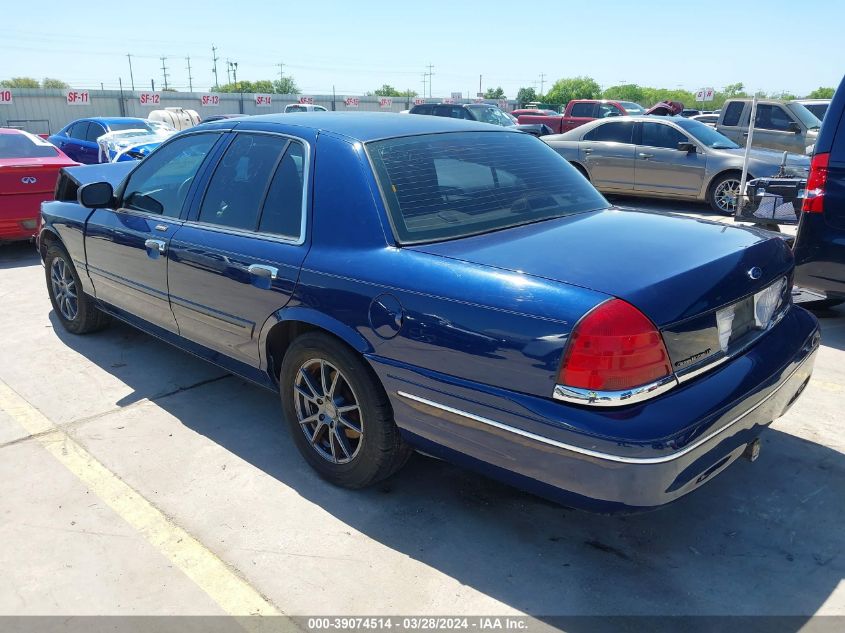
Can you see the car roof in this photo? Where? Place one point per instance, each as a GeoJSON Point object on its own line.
{"type": "Point", "coordinates": [108, 120]}
{"type": "Point", "coordinates": [366, 126]}
{"type": "Point", "coordinates": [9, 130]}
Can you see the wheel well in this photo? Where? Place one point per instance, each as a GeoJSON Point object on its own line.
{"type": "Point", "coordinates": [737, 172]}
{"type": "Point", "coordinates": [47, 239]}
{"type": "Point", "coordinates": [580, 168]}
{"type": "Point", "coordinates": [283, 334]}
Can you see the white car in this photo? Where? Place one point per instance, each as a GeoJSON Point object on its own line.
{"type": "Point", "coordinates": [304, 107]}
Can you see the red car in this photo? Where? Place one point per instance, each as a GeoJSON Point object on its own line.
{"type": "Point", "coordinates": [29, 167]}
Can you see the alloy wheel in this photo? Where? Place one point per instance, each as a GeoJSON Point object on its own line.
{"type": "Point", "coordinates": [727, 196]}
{"type": "Point", "coordinates": [64, 288]}
{"type": "Point", "coordinates": [328, 411]}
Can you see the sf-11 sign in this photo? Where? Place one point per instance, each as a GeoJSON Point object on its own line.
{"type": "Point", "coordinates": [78, 97]}
{"type": "Point", "coordinates": [150, 98]}
{"type": "Point", "coordinates": [210, 100]}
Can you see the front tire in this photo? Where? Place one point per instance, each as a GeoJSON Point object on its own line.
{"type": "Point", "coordinates": [724, 194]}
{"type": "Point", "coordinates": [76, 311]}
{"type": "Point", "coordinates": [339, 414]}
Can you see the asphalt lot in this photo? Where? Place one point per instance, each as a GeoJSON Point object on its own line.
{"type": "Point", "coordinates": [136, 479]}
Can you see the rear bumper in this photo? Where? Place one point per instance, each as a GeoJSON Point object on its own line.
{"type": "Point", "coordinates": [712, 418]}
{"type": "Point", "coordinates": [18, 228]}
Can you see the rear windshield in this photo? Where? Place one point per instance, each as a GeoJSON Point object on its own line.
{"type": "Point", "coordinates": [132, 125]}
{"type": "Point", "coordinates": [444, 186]}
{"type": "Point", "coordinates": [21, 146]}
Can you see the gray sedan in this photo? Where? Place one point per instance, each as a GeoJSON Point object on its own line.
{"type": "Point", "coordinates": [666, 157]}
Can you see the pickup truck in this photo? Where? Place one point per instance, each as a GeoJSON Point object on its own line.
{"type": "Point", "coordinates": [786, 126]}
{"type": "Point", "coordinates": [581, 111]}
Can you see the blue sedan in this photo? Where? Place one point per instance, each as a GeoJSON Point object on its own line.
{"type": "Point", "coordinates": [78, 139]}
{"type": "Point", "coordinates": [441, 285]}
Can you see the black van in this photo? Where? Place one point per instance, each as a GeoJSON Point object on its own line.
{"type": "Point", "coordinates": [820, 244]}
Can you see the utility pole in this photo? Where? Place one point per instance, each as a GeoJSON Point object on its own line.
{"type": "Point", "coordinates": [228, 72]}
{"type": "Point", "coordinates": [190, 79]}
{"type": "Point", "coordinates": [131, 76]}
{"type": "Point", "coordinates": [542, 82]}
{"type": "Point", "coordinates": [234, 67]}
{"type": "Point", "coordinates": [430, 75]}
{"type": "Point", "coordinates": [164, 73]}
{"type": "Point", "coordinates": [214, 59]}
{"type": "Point", "coordinates": [480, 91]}
{"type": "Point", "coordinates": [281, 71]}
{"type": "Point", "coordinates": [424, 75]}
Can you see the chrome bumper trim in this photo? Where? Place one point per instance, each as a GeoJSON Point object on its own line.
{"type": "Point", "coordinates": [599, 454]}
{"type": "Point", "coordinates": [576, 395]}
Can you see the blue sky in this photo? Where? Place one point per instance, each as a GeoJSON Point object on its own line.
{"type": "Point", "coordinates": [358, 45]}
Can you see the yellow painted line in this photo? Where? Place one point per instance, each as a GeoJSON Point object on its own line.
{"type": "Point", "coordinates": [231, 592]}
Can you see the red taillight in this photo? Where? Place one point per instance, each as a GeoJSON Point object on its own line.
{"type": "Point", "coordinates": [814, 198]}
{"type": "Point", "coordinates": [613, 348]}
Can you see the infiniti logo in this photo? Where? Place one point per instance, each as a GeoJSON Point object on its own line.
{"type": "Point", "coordinates": [28, 180]}
{"type": "Point", "coordinates": [755, 273]}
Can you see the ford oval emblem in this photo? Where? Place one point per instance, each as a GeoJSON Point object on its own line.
{"type": "Point", "coordinates": [28, 180]}
{"type": "Point", "coordinates": [755, 273]}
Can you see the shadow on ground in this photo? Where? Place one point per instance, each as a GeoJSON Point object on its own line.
{"type": "Point", "coordinates": [17, 255]}
{"type": "Point", "coordinates": [764, 538]}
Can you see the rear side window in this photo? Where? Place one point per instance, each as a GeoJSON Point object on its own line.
{"type": "Point", "coordinates": [234, 195]}
{"type": "Point", "coordinates": [660, 135]}
{"type": "Point", "coordinates": [78, 130]}
{"type": "Point", "coordinates": [282, 211]}
{"type": "Point", "coordinates": [582, 109]}
{"type": "Point", "coordinates": [616, 132]}
{"type": "Point", "coordinates": [95, 131]}
{"type": "Point", "coordinates": [732, 113]}
{"type": "Point", "coordinates": [443, 186]}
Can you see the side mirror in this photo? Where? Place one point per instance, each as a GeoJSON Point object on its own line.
{"type": "Point", "coordinates": [95, 195]}
{"type": "Point", "coordinates": [794, 128]}
{"type": "Point", "coordinates": [686, 146]}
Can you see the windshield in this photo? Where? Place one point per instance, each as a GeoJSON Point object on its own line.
{"type": "Point", "coordinates": [810, 120]}
{"type": "Point", "coordinates": [22, 146]}
{"type": "Point", "coordinates": [705, 134]}
{"type": "Point", "coordinates": [632, 108]}
{"type": "Point", "coordinates": [445, 186]}
{"type": "Point", "coordinates": [130, 125]}
{"type": "Point", "coordinates": [492, 114]}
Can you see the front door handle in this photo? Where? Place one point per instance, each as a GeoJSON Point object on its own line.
{"type": "Point", "coordinates": [266, 272]}
{"type": "Point", "coordinates": [588, 150]}
{"type": "Point", "coordinates": [644, 155]}
{"type": "Point", "coordinates": [155, 248]}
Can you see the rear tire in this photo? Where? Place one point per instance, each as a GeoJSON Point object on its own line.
{"type": "Point", "coordinates": [77, 312]}
{"type": "Point", "coordinates": [339, 414]}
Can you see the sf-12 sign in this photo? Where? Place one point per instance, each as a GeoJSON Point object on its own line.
{"type": "Point", "coordinates": [78, 97]}
{"type": "Point", "coordinates": [150, 98]}
{"type": "Point", "coordinates": [705, 94]}
{"type": "Point", "coordinates": [263, 101]}
{"type": "Point", "coordinates": [352, 102]}
{"type": "Point", "coordinates": [210, 100]}
{"type": "Point", "coordinates": [385, 102]}
{"type": "Point", "coordinates": [307, 100]}
{"type": "Point", "coordinates": [5, 97]}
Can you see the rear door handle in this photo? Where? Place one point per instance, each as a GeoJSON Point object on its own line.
{"type": "Point", "coordinates": [644, 155]}
{"type": "Point", "coordinates": [266, 272]}
{"type": "Point", "coordinates": [155, 248]}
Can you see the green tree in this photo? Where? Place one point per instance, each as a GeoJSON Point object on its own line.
{"type": "Point", "coordinates": [261, 86]}
{"type": "Point", "coordinates": [389, 91]}
{"type": "Point", "coordinates": [625, 92]}
{"type": "Point", "coordinates": [822, 93]}
{"type": "Point", "coordinates": [734, 90]}
{"type": "Point", "coordinates": [20, 82]}
{"type": "Point", "coordinates": [526, 95]}
{"type": "Point", "coordinates": [564, 90]}
{"type": "Point", "coordinates": [285, 86]}
{"type": "Point", "coordinates": [49, 82]}
{"type": "Point", "coordinates": [494, 93]}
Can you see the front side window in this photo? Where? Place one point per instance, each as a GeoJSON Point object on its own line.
{"type": "Point", "coordinates": [234, 194]}
{"type": "Point", "coordinates": [772, 117]}
{"type": "Point", "coordinates": [660, 135]}
{"type": "Point", "coordinates": [616, 132]}
{"type": "Point", "coordinates": [444, 186]}
{"type": "Point", "coordinates": [161, 182]}
{"type": "Point", "coordinates": [732, 113]}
